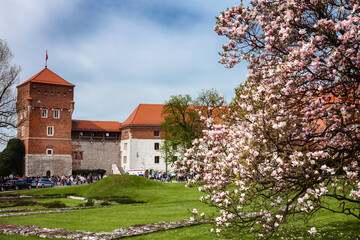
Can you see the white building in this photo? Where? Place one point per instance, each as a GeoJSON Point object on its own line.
{"type": "Point", "coordinates": [141, 139]}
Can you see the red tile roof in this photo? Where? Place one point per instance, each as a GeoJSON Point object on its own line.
{"type": "Point", "coordinates": [96, 126]}
{"type": "Point", "coordinates": [49, 77]}
{"type": "Point", "coordinates": [145, 115]}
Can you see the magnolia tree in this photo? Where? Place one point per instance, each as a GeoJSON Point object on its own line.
{"type": "Point", "coordinates": [289, 143]}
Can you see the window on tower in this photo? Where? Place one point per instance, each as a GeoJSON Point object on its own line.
{"type": "Point", "coordinates": [44, 113]}
{"type": "Point", "coordinates": [50, 131]}
{"type": "Point", "coordinates": [23, 131]}
{"type": "Point", "coordinates": [56, 113]}
{"type": "Point", "coordinates": [49, 151]}
{"type": "Point", "coordinates": [157, 159]}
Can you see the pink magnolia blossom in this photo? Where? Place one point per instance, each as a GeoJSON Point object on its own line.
{"type": "Point", "coordinates": [312, 230]}
{"type": "Point", "coordinates": [293, 128]}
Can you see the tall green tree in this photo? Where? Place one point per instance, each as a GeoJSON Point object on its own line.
{"type": "Point", "coordinates": [12, 158]}
{"type": "Point", "coordinates": [181, 120]}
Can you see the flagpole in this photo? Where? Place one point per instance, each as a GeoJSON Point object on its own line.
{"type": "Point", "coordinates": [46, 58]}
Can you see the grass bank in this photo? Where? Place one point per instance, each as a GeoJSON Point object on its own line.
{"type": "Point", "coordinates": [159, 202]}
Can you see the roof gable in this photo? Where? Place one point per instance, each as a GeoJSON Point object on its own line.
{"type": "Point", "coordinates": [145, 115]}
{"type": "Point", "coordinates": [48, 77]}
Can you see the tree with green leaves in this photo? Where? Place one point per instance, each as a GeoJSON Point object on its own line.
{"type": "Point", "coordinates": [182, 122]}
{"type": "Point", "coordinates": [12, 158]}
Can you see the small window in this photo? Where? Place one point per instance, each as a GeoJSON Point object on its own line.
{"type": "Point", "coordinates": [156, 146]}
{"type": "Point", "coordinates": [50, 131]}
{"type": "Point", "coordinates": [49, 151]}
{"type": "Point", "coordinates": [126, 134]}
{"type": "Point", "coordinates": [21, 116]}
{"type": "Point", "coordinates": [44, 113]}
{"type": "Point", "coordinates": [81, 133]}
{"type": "Point", "coordinates": [77, 155]}
{"type": "Point", "coordinates": [124, 159]}
{"type": "Point", "coordinates": [23, 131]}
{"type": "Point", "coordinates": [56, 113]}
{"type": "Point", "coordinates": [107, 134]}
{"type": "Point", "coordinates": [156, 134]}
{"type": "Point", "coordinates": [174, 146]}
{"type": "Point", "coordinates": [125, 146]}
{"type": "Point", "coordinates": [157, 159]}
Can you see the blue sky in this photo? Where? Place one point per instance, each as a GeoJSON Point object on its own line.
{"type": "Point", "coordinates": [121, 53]}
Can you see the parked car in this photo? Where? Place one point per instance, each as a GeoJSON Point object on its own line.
{"type": "Point", "coordinates": [16, 184]}
{"type": "Point", "coordinates": [33, 183]}
{"type": "Point", "coordinates": [44, 182]}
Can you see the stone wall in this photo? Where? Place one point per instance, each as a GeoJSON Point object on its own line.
{"type": "Point", "coordinates": [40, 164]}
{"type": "Point", "coordinates": [97, 155]}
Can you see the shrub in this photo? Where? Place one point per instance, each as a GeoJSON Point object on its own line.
{"type": "Point", "coordinates": [122, 200]}
{"type": "Point", "coordinates": [86, 172]}
{"type": "Point", "coordinates": [25, 203]}
{"type": "Point", "coordinates": [54, 204]}
{"type": "Point", "coordinates": [90, 202]}
{"type": "Point", "coordinates": [106, 203]}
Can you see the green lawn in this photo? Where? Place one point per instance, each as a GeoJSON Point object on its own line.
{"type": "Point", "coordinates": [161, 202]}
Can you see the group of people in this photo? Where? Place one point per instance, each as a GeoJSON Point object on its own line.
{"type": "Point", "coordinates": [163, 177]}
{"type": "Point", "coordinates": [75, 180]}
{"type": "Point", "coordinates": [58, 180]}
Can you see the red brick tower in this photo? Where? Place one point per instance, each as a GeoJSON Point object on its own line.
{"type": "Point", "coordinates": [45, 105]}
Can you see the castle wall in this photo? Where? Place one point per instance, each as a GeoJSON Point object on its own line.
{"type": "Point", "coordinates": [96, 155]}
{"type": "Point", "coordinates": [138, 149]}
{"type": "Point", "coordinates": [125, 154]}
{"type": "Point", "coordinates": [40, 164]}
{"type": "Point", "coordinates": [142, 155]}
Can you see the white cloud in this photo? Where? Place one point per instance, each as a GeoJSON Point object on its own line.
{"type": "Point", "coordinates": [119, 57]}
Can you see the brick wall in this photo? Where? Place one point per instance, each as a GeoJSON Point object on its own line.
{"type": "Point", "coordinates": [145, 132]}
{"type": "Point", "coordinates": [33, 98]}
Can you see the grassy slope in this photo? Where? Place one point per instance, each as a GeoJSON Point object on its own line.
{"type": "Point", "coordinates": [139, 189]}
{"type": "Point", "coordinates": [164, 202]}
